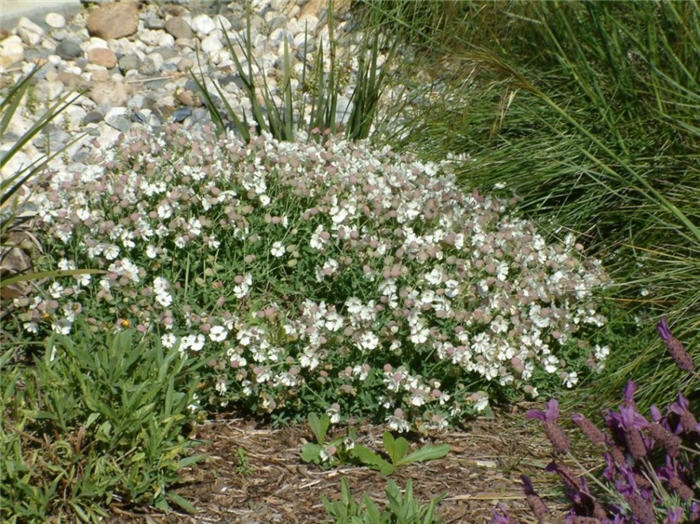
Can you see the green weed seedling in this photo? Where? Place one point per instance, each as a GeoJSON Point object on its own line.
{"type": "Point", "coordinates": [329, 453]}
{"type": "Point", "coordinates": [397, 450]}
{"type": "Point", "coordinates": [402, 508]}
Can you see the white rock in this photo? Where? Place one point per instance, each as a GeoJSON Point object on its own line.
{"type": "Point", "coordinates": [75, 115]}
{"type": "Point", "coordinates": [116, 112]}
{"type": "Point", "coordinates": [55, 20]}
{"type": "Point", "coordinates": [277, 37]}
{"type": "Point", "coordinates": [29, 32]}
{"type": "Point", "coordinates": [54, 60]}
{"type": "Point", "coordinates": [212, 44]}
{"type": "Point", "coordinates": [50, 89]}
{"type": "Point", "coordinates": [310, 21]}
{"type": "Point", "coordinates": [166, 40]}
{"type": "Point", "coordinates": [157, 60]}
{"type": "Point", "coordinates": [298, 69]}
{"type": "Point", "coordinates": [222, 21]}
{"type": "Point", "coordinates": [151, 37]}
{"type": "Point", "coordinates": [15, 164]}
{"type": "Point", "coordinates": [202, 25]}
{"type": "Point", "coordinates": [94, 43]}
{"type": "Point", "coordinates": [73, 69]}
{"type": "Point", "coordinates": [295, 27]}
{"type": "Point", "coordinates": [11, 50]}
{"type": "Point", "coordinates": [278, 5]}
{"type": "Point", "coordinates": [108, 136]}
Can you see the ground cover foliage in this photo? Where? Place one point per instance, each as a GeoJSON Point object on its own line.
{"type": "Point", "coordinates": [588, 112]}
{"type": "Point", "coordinates": [321, 275]}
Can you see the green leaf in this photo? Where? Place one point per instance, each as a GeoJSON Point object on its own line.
{"type": "Point", "coordinates": [429, 452]}
{"type": "Point", "coordinates": [396, 448]}
{"type": "Point", "coordinates": [190, 460]}
{"type": "Point", "coordinates": [311, 453]}
{"type": "Point", "coordinates": [47, 274]}
{"type": "Point", "coordinates": [181, 502]}
{"type": "Point", "coordinates": [371, 459]}
{"type": "Point", "coordinates": [319, 426]}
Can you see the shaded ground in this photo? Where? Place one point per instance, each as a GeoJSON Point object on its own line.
{"type": "Point", "coordinates": [482, 468]}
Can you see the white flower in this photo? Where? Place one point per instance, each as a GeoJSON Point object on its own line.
{"type": "Point", "coordinates": [193, 342]}
{"type": "Point", "coordinates": [277, 249]}
{"type": "Point", "coordinates": [111, 252]}
{"type": "Point", "coordinates": [164, 211]}
{"type": "Point", "coordinates": [368, 341]}
{"type": "Point", "coordinates": [168, 340]}
{"type": "Point", "coordinates": [218, 333]}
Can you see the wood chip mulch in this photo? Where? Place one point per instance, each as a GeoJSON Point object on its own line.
{"type": "Point", "coordinates": [482, 469]}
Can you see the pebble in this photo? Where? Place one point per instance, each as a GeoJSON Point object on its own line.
{"type": "Point", "coordinates": [29, 32]}
{"type": "Point", "coordinates": [69, 49]}
{"type": "Point", "coordinates": [112, 21]}
{"type": "Point", "coordinates": [129, 62]}
{"type": "Point", "coordinates": [135, 62]}
{"type": "Point", "coordinates": [55, 20]}
{"type": "Point", "coordinates": [103, 57]}
{"type": "Point", "coordinates": [178, 27]}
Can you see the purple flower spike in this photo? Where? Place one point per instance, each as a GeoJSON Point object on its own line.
{"type": "Point", "coordinates": [674, 516]}
{"type": "Point", "coordinates": [589, 429]}
{"type": "Point", "coordinates": [554, 433]}
{"type": "Point", "coordinates": [536, 504]}
{"type": "Point", "coordinates": [674, 346]}
{"type": "Point", "coordinates": [632, 422]}
{"type": "Point", "coordinates": [500, 516]}
{"type": "Point", "coordinates": [628, 393]}
{"type": "Point", "coordinates": [682, 408]}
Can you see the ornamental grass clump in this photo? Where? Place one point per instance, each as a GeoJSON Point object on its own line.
{"type": "Point", "coordinates": [649, 471]}
{"type": "Point", "coordinates": [318, 274]}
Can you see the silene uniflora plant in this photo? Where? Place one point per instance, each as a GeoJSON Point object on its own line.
{"type": "Point", "coordinates": [308, 274]}
{"type": "Point", "coordinates": [650, 464]}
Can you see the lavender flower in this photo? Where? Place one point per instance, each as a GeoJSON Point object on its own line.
{"type": "Point", "coordinates": [632, 422]}
{"type": "Point", "coordinates": [683, 360]}
{"type": "Point", "coordinates": [687, 420]}
{"type": "Point", "coordinates": [641, 508]}
{"type": "Point", "coordinates": [500, 516]}
{"type": "Point", "coordinates": [536, 504]}
{"type": "Point", "coordinates": [589, 429]}
{"type": "Point", "coordinates": [554, 433]}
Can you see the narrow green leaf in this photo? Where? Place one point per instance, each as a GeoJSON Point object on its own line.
{"type": "Point", "coordinates": [371, 459]}
{"type": "Point", "coordinates": [182, 503]}
{"type": "Point", "coordinates": [429, 452]}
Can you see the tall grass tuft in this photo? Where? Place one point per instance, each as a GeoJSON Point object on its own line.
{"type": "Point", "coordinates": [588, 112]}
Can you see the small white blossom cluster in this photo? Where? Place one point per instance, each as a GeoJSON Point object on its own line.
{"type": "Point", "coordinates": [323, 266]}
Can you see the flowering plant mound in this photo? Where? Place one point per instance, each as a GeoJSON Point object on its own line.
{"type": "Point", "coordinates": [319, 274]}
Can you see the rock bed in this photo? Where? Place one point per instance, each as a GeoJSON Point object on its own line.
{"type": "Point", "coordinates": [133, 63]}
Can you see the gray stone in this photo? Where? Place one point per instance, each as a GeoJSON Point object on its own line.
{"type": "Point", "coordinates": [181, 113]}
{"type": "Point", "coordinates": [51, 139]}
{"type": "Point", "coordinates": [93, 117]}
{"type": "Point", "coordinates": [129, 62]}
{"type": "Point", "coordinates": [167, 52]}
{"type": "Point", "coordinates": [276, 22]}
{"type": "Point", "coordinates": [148, 67]}
{"type": "Point", "coordinates": [153, 21]}
{"type": "Point", "coordinates": [120, 123]}
{"type": "Point", "coordinates": [69, 49]}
